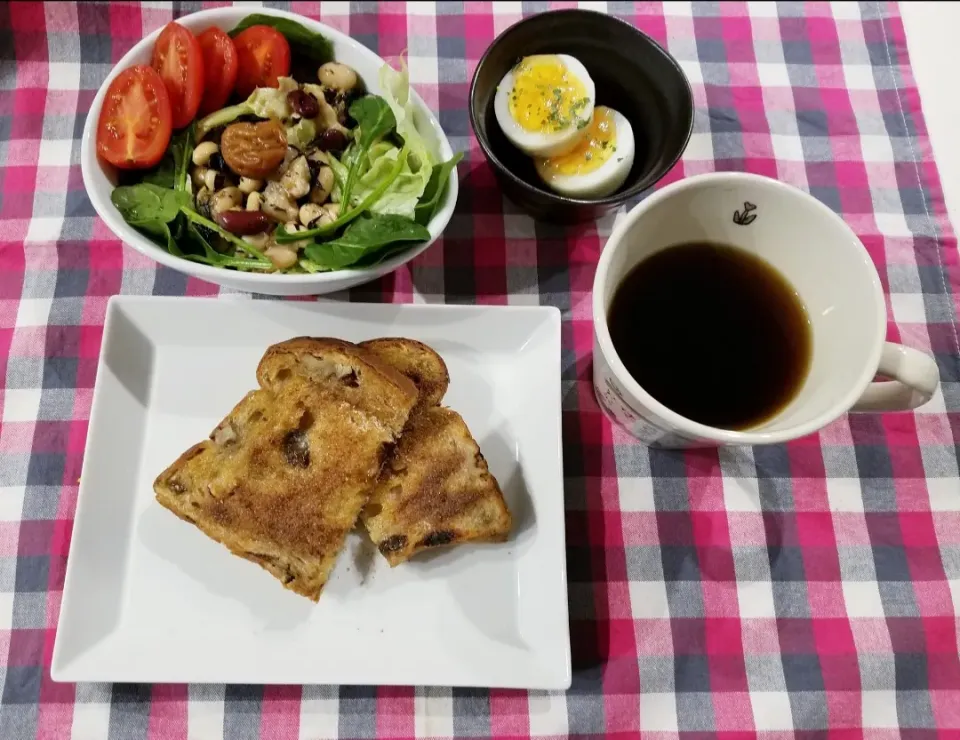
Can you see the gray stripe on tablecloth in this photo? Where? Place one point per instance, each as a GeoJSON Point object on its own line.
{"type": "Point", "coordinates": [358, 712]}
{"type": "Point", "coordinates": [695, 710]}
{"type": "Point", "coordinates": [168, 281]}
{"type": "Point", "coordinates": [21, 695]}
{"type": "Point", "coordinates": [14, 467]}
{"type": "Point", "coordinates": [856, 563]}
{"type": "Point", "coordinates": [656, 674]}
{"type": "Point", "coordinates": [129, 711]}
{"type": "Point", "coordinates": [29, 609]}
{"type": "Point", "coordinates": [809, 710]}
{"type": "Point", "coordinates": [241, 712]}
{"type": "Point", "coordinates": [877, 672]}
{"type": "Point", "coordinates": [585, 707]}
{"type": "Point", "coordinates": [914, 709]}
{"type": "Point", "coordinates": [471, 713]}
{"type": "Point", "coordinates": [751, 563]}
{"type": "Point", "coordinates": [790, 600]}
{"type": "Point", "coordinates": [940, 461]}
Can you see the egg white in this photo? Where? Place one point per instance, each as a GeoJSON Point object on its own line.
{"type": "Point", "coordinates": [540, 144]}
{"type": "Point", "coordinates": [606, 178]}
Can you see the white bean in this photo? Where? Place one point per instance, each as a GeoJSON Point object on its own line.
{"type": "Point", "coordinates": [336, 75]}
{"type": "Point", "coordinates": [253, 201]}
{"type": "Point", "coordinates": [203, 152]}
{"type": "Point", "coordinates": [281, 256]}
{"type": "Point", "coordinates": [249, 185]}
{"type": "Point", "coordinates": [210, 179]}
{"type": "Point", "coordinates": [332, 210]}
{"type": "Point", "coordinates": [225, 199]}
{"type": "Point", "coordinates": [256, 240]}
{"type": "Point", "coordinates": [198, 176]}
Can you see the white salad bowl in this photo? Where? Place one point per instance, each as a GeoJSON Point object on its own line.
{"type": "Point", "coordinates": [100, 178]}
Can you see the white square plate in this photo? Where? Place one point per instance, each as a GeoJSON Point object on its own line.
{"type": "Point", "coordinates": [149, 598]}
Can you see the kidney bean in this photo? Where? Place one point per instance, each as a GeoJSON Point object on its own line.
{"type": "Point", "coordinates": [243, 223]}
{"type": "Point", "coordinates": [303, 104]}
{"type": "Point", "coordinates": [332, 140]}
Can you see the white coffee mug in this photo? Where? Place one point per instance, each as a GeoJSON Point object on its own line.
{"type": "Point", "coordinates": [821, 258]}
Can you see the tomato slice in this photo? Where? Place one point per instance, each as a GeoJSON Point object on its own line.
{"type": "Point", "coordinates": [263, 55]}
{"type": "Point", "coordinates": [178, 59]}
{"type": "Point", "coordinates": [220, 69]}
{"type": "Point", "coordinates": [135, 121]}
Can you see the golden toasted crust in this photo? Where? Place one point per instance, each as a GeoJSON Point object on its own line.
{"type": "Point", "coordinates": [283, 477]}
{"type": "Point", "coordinates": [322, 359]}
{"type": "Point", "coordinates": [436, 490]}
{"type": "Point", "coordinates": [418, 362]}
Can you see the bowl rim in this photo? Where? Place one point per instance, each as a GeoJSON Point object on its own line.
{"type": "Point", "coordinates": [615, 198]}
{"type": "Point", "coordinates": [128, 235]}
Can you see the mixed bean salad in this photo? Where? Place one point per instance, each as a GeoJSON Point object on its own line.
{"type": "Point", "coordinates": [305, 172]}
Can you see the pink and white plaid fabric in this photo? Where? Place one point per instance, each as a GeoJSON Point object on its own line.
{"type": "Point", "coordinates": [800, 590]}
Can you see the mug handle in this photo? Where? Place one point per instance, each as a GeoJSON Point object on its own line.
{"type": "Point", "coordinates": [915, 379]}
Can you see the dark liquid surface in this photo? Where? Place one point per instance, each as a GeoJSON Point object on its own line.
{"type": "Point", "coordinates": [713, 333]}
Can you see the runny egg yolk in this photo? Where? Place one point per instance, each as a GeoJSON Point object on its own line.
{"type": "Point", "coordinates": [546, 97]}
{"type": "Point", "coordinates": [593, 149]}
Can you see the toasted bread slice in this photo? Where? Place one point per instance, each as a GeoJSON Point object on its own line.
{"type": "Point", "coordinates": [418, 362]}
{"type": "Point", "coordinates": [284, 476]}
{"type": "Point", "coordinates": [435, 490]}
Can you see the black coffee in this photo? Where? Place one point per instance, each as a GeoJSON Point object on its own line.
{"type": "Point", "coordinates": [713, 333]}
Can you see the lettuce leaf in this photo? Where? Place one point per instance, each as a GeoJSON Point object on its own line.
{"type": "Point", "coordinates": [403, 194]}
{"type": "Point", "coordinates": [396, 91]}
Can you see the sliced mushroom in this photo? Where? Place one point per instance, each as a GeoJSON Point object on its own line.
{"type": "Point", "coordinates": [322, 185]}
{"type": "Point", "coordinates": [277, 203]}
{"type": "Point", "coordinates": [309, 212]}
{"type": "Point", "coordinates": [296, 178]}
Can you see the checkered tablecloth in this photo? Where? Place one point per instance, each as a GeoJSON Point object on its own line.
{"type": "Point", "coordinates": [779, 591]}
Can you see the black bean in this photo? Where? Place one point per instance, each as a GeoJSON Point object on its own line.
{"type": "Point", "coordinates": [332, 140]}
{"type": "Point", "coordinates": [216, 162]}
{"type": "Point", "coordinates": [303, 103]}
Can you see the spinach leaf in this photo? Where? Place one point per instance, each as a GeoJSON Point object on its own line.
{"type": "Point", "coordinates": [374, 120]}
{"type": "Point", "coordinates": [164, 174]}
{"type": "Point", "coordinates": [182, 148]}
{"type": "Point", "coordinates": [173, 171]}
{"type": "Point", "coordinates": [303, 41]}
{"type": "Point", "coordinates": [152, 209]}
{"type": "Point", "coordinates": [159, 233]}
{"type": "Point", "coordinates": [197, 221]}
{"type": "Point", "coordinates": [435, 189]}
{"type": "Point", "coordinates": [363, 237]}
{"type": "Point", "coordinates": [148, 202]}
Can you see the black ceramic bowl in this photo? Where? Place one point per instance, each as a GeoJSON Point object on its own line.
{"type": "Point", "coordinates": [633, 74]}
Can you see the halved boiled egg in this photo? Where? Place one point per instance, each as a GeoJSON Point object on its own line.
{"type": "Point", "coordinates": [598, 164]}
{"type": "Point", "coordinates": [544, 104]}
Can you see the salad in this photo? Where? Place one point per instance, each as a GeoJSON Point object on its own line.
{"type": "Point", "coordinates": [255, 150]}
